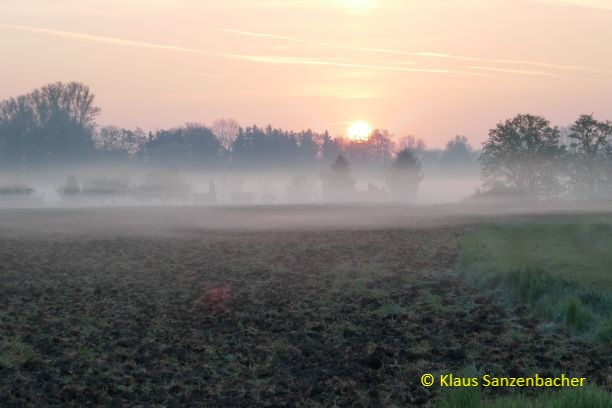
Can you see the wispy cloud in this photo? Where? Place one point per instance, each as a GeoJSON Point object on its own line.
{"type": "Point", "coordinates": [511, 61]}
{"type": "Point", "coordinates": [260, 35]}
{"type": "Point", "coordinates": [274, 59]}
{"type": "Point", "coordinates": [515, 71]}
{"type": "Point", "coordinates": [107, 40]}
{"type": "Point", "coordinates": [398, 66]}
{"type": "Point", "coordinates": [422, 54]}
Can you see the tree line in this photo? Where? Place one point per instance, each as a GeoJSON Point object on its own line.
{"type": "Point", "coordinates": [541, 161]}
{"type": "Point", "coordinates": [56, 124]}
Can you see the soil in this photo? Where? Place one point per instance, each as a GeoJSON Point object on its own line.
{"type": "Point", "coordinates": [351, 317]}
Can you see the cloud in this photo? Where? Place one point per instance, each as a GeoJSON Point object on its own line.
{"type": "Point", "coordinates": [274, 59]}
{"type": "Point", "coordinates": [107, 40]}
{"type": "Point", "coordinates": [269, 59]}
{"type": "Point", "coordinates": [260, 35]}
{"type": "Point", "coordinates": [515, 71]}
{"type": "Point", "coordinates": [422, 54]}
{"type": "Point", "coordinates": [398, 66]}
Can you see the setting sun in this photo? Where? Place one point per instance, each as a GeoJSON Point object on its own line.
{"type": "Point", "coordinates": [359, 131]}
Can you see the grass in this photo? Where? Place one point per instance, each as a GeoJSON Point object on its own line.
{"type": "Point", "coordinates": [587, 397]}
{"type": "Point", "coordinates": [574, 249]}
{"type": "Point", "coordinates": [15, 352]}
{"type": "Point", "coordinates": [559, 269]}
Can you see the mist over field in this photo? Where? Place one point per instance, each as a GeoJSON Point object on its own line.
{"type": "Point", "coordinates": [54, 153]}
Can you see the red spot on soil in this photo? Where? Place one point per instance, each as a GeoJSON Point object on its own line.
{"type": "Point", "coordinates": [216, 298]}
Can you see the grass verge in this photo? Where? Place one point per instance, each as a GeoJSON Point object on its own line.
{"type": "Point", "coordinates": [559, 270]}
{"type": "Point", "coordinates": [587, 397]}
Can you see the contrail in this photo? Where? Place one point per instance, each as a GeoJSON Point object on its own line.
{"type": "Point", "coordinates": [251, 58]}
{"type": "Point", "coordinates": [261, 35]}
{"type": "Point", "coordinates": [255, 58]}
{"type": "Point", "coordinates": [309, 61]}
{"type": "Point", "coordinates": [515, 71]}
{"type": "Point", "coordinates": [418, 54]}
{"type": "Point", "coordinates": [510, 61]}
{"type": "Point", "coordinates": [107, 40]}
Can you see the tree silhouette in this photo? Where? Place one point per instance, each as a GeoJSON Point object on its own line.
{"type": "Point", "coordinates": [192, 145]}
{"type": "Point", "coordinates": [404, 176]}
{"type": "Point", "coordinates": [458, 157]}
{"type": "Point", "coordinates": [339, 182]}
{"type": "Point", "coordinates": [590, 168]}
{"type": "Point", "coordinates": [50, 124]}
{"type": "Point", "coordinates": [226, 131]}
{"type": "Point", "coordinates": [376, 150]}
{"type": "Point", "coordinates": [521, 153]}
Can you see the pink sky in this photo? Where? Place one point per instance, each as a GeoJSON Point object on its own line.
{"type": "Point", "coordinates": [431, 68]}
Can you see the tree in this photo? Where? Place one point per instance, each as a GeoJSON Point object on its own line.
{"type": "Point", "coordinates": [381, 145]}
{"type": "Point", "coordinates": [412, 143]}
{"type": "Point", "coordinates": [339, 182]}
{"type": "Point", "coordinates": [226, 131]}
{"type": "Point", "coordinates": [330, 147]}
{"type": "Point", "coordinates": [117, 143]}
{"type": "Point", "coordinates": [590, 145]}
{"type": "Point", "coordinates": [192, 145]}
{"type": "Point", "coordinates": [404, 176]}
{"type": "Point", "coordinates": [308, 148]}
{"type": "Point", "coordinates": [458, 156]}
{"type": "Point", "coordinates": [50, 124]}
{"type": "Point", "coordinates": [376, 150]}
{"type": "Point", "coordinates": [520, 153]}
{"type": "Point", "coordinates": [265, 148]}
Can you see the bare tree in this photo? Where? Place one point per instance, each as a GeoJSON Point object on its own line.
{"type": "Point", "coordinates": [381, 145]}
{"type": "Point", "coordinates": [411, 143]}
{"type": "Point", "coordinates": [226, 131]}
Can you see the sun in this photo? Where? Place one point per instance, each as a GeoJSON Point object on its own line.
{"type": "Point", "coordinates": [359, 131]}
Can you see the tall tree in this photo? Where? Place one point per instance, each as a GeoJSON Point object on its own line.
{"type": "Point", "coordinates": [226, 131]}
{"type": "Point", "coordinates": [458, 157]}
{"type": "Point", "coordinates": [404, 176]}
{"type": "Point", "coordinates": [52, 124]}
{"type": "Point", "coordinates": [412, 143]}
{"type": "Point", "coordinates": [192, 145]}
{"type": "Point", "coordinates": [590, 165]}
{"type": "Point", "coordinates": [119, 144]}
{"type": "Point", "coordinates": [331, 148]}
{"type": "Point", "coordinates": [339, 182]}
{"type": "Point", "coordinates": [265, 148]}
{"type": "Point", "coordinates": [520, 153]}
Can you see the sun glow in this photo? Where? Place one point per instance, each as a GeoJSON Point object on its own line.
{"type": "Point", "coordinates": [359, 131]}
{"type": "Point", "coordinates": [357, 5]}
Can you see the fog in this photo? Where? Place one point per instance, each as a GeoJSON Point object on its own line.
{"type": "Point", "coordinates": [148, 200]}
{"type": "Point", "coordinates": [116, 185]}
{"type": "Point", "coordinates": [54, 154]}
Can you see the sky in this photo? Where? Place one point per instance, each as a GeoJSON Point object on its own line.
{"type": "Point", "coordinates": [429, 68]}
